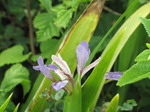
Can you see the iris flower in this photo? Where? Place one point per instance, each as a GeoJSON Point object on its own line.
{"type": "Point", "coordinates": [62, 70]}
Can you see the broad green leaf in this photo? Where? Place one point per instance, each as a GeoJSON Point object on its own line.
{"type": "Point", "coordinates": [4, 105]}
{"type": "Point", "coordinates": [81, 30]}
{"type": "Point", "coordinates": [47, 4]}
{"type": "Point", "coordinates": [15, 75]}
{"type": "Point", "coordinates": [63, 18]}
{"type": "Point", "coordinates": [16, 109]}
{"type": "Point", "coordinates": [93, 85]}
{"type": "Point", "coordinates": [144, 56]}
{"type": "Point", "coordinates": [113, 104]}
{"type": "Point", "coordinates": [44, 22]}
{"type": "Point", "coordinates": [47, 33]}
{"type": "Point", "coordinates": [13, 55]}
{"type": "Point", "coordinates": [146, 23]}
{"type": "Point", "coordinates": [137, 72]}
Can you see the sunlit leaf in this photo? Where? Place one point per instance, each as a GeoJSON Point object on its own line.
{"type": "Point", "coordinates": [146, 23]}
{"type": "Point", "coordinates": [47, 30]}
{"type": "Point", "coordinates": [16, 109]}
{"type": "Point", "coordinates": [137, 72]}
{"type": "Point", "coordinates": [13, 55]}
{"type": "Point", "coordinates": [63, 18]}
{"type": "Point", "coordinates": [144, 56]}
{"type": "Point", "coordinates": [15, 75]}
{"type": "Point", "coordinates": [47, 4]}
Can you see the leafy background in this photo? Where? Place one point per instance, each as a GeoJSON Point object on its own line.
{"type": "Point", "coordinates": [29, 28]}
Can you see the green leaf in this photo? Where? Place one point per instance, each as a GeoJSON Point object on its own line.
{"type": "Point", "coordinates": [4, 105]}
{"type": "Point", "coordinates": [15, 75]}
{"type": "Point", "coordinates": [16, 109]}
{"type": "Point", "coordinates": [63, 17]}
{"type": "Point", "coordinates": [48, 47]}
{"type": "Point", "coordinates": [144, 56]}
{"type": "Point", "coordinates": [148, 45]}
{"type": "Point", "coordinates": [113, 104]}
{"type": "Point", "coordinates": [13, 55]}
{"type": "Point", "coordinates": [146, 23]}
{"type": "Point", "coordinates": [47, 4]}
{"type": "Point", "coordinates": [44, 22]}
{"type": "Point", "coordinates": [137, 72]}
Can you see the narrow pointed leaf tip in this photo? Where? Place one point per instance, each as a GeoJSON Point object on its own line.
{"type": "Point", "coordinates": [113, 75]}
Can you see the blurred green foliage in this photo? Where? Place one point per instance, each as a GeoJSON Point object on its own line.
{"type": "Point", "coordinates": [51, 19]}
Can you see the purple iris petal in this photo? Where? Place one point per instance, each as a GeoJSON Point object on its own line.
{"type": "Point", "coordinates": [52, 66]}
{"type": "Point", "coordinates": [43, 68]}
{"type": "Point", "coordinates": [113, 75]}
{"type": "Point", "coordinates": [59, 85]}
{"type": "Point", "coordinates": [36, 68]}
{"type": "Point", "coordinates": [82, 52]}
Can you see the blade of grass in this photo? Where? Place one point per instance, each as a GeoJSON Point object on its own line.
{"type": "Point", "coordinates": [4, 105]}
{"type": "Point", "coordinates": [16, 109]}
{"type": "Point", "coordinates": [113, 104]}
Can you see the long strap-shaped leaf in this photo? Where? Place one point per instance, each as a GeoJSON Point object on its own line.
{"type": "Point", "coordinates": [81, 30]}
{"type": "Point", "coordinates": [92, 87]}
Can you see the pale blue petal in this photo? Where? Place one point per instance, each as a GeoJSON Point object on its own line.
{"type": "Point", "coordinates": [83, 53]}
{"type": "Point", "coordinates": [43, 68]}
{"type": "Point", "coordinates": [52, 66]}
{"type": "Point", "coordinates": [59, 85]}
{"type": "Point", "coordinates": [113, 75]}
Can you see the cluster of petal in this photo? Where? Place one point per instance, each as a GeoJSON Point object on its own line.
{"type": "Point", "coordinates": [113, 75]}
{"type": "Point", "coordinates": [63, 73]}
{"type": "Point", "coordinates": [62, 70]}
